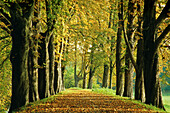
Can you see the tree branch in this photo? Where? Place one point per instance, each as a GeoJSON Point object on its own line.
{"type": "Point", "coordinates": [129, 49]}
{"type": "Point", "coordinates": [1, 65]}
{"type": "Point", "coordinates": [163, 14]}
{"type": "Point", "coordinates": [6, 29]}
{"type": "Point", "coordinates": [6, 8]}
{"type": "Point", "coordinates": [3, 37]}
{"type": "Point", "coordinates": [161, 37]}
{"type": "Point", "coordinates": [29, 9]}
{"type": "Point", "coordinates": [4, 19]}
{"type": "Point", "coordinates": [71, 10]}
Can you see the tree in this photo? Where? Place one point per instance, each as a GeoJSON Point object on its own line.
{"type": "Point", "coordinates": [119, 74]}
{"type": "Point", "coordinates": [33, 55]}
{"type": "Point", "coordinates": [105, 76]}
{"type": "Point", "coordinates": [20, 20]}
{"type": "Point", "coordinates": [92, 68]}
{"type": "Point", "coordinates": [151, 44]}
{"type": "Point", "coordinates": [47, 66]}
{"type": "Point", "coordinates": [128, 88]}
{"type": "Point", "coordinates": [139, 83]}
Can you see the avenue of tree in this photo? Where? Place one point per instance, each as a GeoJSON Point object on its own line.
{"type": "Point", "coordinates": [98, 38]}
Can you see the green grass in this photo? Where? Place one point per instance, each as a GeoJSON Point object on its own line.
{"type": "Point", "coordinates": [105, 91]}
{"type": "Point", "coordinates": [166, 100]}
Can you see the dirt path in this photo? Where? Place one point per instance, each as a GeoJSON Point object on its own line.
{"type": "Point", "coordinates": [86, 101]}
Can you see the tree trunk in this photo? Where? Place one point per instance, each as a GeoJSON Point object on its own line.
{"type": "Point", "coordinates": [63, 80]}
{"type": "Point", "coordinates": [92, 68]}
{"type": "Point", "coordinates": [151, 44]}
{"type": "Point", "coordinates": [148, 48]}
{"type": "Point", "coordinates": [43, 72]}
{"type": "Point", "coordinates": [75, 75]}
{"type": "Point", "coordinates": [55, 77]}
{"type": "Point", "coordinates": [139, 84]}
{"type": "Point", "coordinates": [85, 72]}
{"type": "Point", "coordinates": [75, 65]}
{"type": "Point", "coordinates": [119, 75]}
{"type": "Point", "coordinates": [19, 55]}
{"type": "Point", "coordinates": [33, 70]}
{"type": "Point", "coordinates": [111, 73]}
{"type": "Point", "coordinates": [105, 76]}
{"type": "Point", "coordinates": [128, 89]}
{"type": "Point", "coordinates": [51, 50]}
{"type": "Point", "coordinates": [59, 77]}
{"type": "Point", "coordinates": [90, 82]}
{"type": "Point", "coordinates": [157, 93]}
{"type": "Point", "coordinates": [85, 79]}
{"type": "Point", "coordinates": [33, 56]}
{"type": "Point", "coordinates": [58, 69]}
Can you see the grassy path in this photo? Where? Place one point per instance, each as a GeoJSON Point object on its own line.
{"type": "Point", "coordinates": [73, 101]}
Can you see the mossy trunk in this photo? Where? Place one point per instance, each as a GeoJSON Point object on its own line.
{"type": "Point", "coordinates": [33, 70]}
{"type": "Point", "coordinates": [19, 55]}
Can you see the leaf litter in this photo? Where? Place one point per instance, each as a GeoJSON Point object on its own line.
{"type": "Point", "coordinates": [83, 101]}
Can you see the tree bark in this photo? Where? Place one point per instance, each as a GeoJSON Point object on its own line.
{"type": "Point", "coordinates": [19, 54]}
{"type": "Point", "coordinates": [128, 88]}
{"type": "Point", "coordinates": [119, 75]}
{"type": "Point", "coordinates": [85, 78]}
{"type": "Point", "coordinates": [92, 68]}
{"type": "Point", "coordinates": [55, 77]}
{"type": "Point", "coordinates": [58, 69]}
{"type": "Point", "coordinates": [63, 80]}
{"type": "Point", "coordinates": [33, 56]}
{"type": "Point", "coordinates": [157, 93]}
{"type": "Point", "coordinates": [151, 44]}
{"type": "Point", "coordinates": [75, 66]}
{"type": "Point", "coordinates": [85, 66]}
{"type": "Point", "coordinates": [33, 70]}
{"type": "Point", "coordinates": [111, 73]}
{"type": "Point", "coordinates": [59, 78]}
{"type": "Point", "coordinates": [105, 76]}
{"type": "Point", "coordinates": [51, 50]}
{"type": "Point", "coordinates": [139, 84]}
{"type": "Point", "coordinates": [90, 82]}
{"type": "Point", "coordinates": [43, 71]}
{"type": "Point", "coordinates": [149, 19]}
